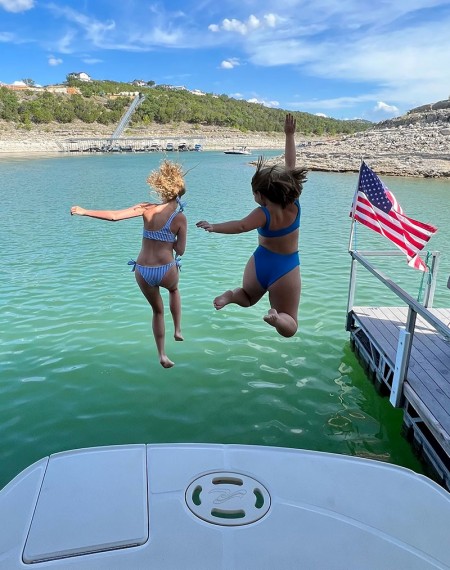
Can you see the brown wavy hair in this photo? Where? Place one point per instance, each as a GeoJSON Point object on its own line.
{"type": "Point", "coordinates": [277, 183]}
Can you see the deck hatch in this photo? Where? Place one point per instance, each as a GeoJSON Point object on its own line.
{"type": "Point", "coordinates": [228, 499]}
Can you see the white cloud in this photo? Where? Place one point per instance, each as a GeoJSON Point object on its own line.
{"type": "Point", "coordinates": [271, 20]}
{"type": "Point", "coordinates": [91, 60]}
{"type": "Point", "coordinates": [333, 103]}
{"type": "Point", "coordinates": [263, 102]}
{"type": "Point", "coordinates": [234, 26]}
{"type": "Point", "coordinates": [93, 30]}
{"type": "Point", "coordinates": [275, 52]}
{"type": "Point", "coordinates": [17, 5]}
{"type": "Point", "coordinates": [64, 44]}
{"type": "Point", "coordinates": [6, 37]}
{"type": "Point", "coordinates": [229, 63]}
{"type": "Point", "coordinates": [385, 108]}
{"type": "Point", "coordinates": [321, 115]}
{"type": "Point", "coordinates": [253, 22]}
{"type": "Point", "coordinates": [244, 28]}
{"type": "Point", "coordinates": [54, 61]}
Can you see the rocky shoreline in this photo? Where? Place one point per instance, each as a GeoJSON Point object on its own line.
{"type": "Point", "coordinates": [417, 149]}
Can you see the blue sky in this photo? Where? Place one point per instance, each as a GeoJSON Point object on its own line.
{"type": "Point", "coordinates": [370, 59]}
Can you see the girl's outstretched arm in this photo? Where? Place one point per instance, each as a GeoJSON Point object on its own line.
{"type": "Point", "coordinates": [289, 146]}
{"type": "Point", "coordinates": [110, 215]}
{"type": "Point", "coordinates": [254, 220]}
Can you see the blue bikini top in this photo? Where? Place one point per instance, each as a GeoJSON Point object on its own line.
{"type": "Point", "coordinates": [164, 234]}
{"type": "Point", "coordinates": [265, 232]}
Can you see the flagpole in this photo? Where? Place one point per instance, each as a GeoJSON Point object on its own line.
{"type": "Point", "coordinates": [352, 227]}
{"type": "Point", "coordinates": [352, 283]}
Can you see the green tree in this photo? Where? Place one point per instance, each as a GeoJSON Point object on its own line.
{"type": "Point", "coordinates": [9, 105]}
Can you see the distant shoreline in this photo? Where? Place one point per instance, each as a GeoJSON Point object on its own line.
{"type": "Point", "coordinates": [49, 138]}
{"type": "Point", "coordinates": [421, 151]}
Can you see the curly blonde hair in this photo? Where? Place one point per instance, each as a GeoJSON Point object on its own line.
{"type": "Point", "coordinates": [168, 180]}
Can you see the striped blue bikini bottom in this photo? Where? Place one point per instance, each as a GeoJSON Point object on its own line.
{"type": "Point", "coordinates": [154, 275]}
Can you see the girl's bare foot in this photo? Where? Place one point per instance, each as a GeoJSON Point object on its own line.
{"type": "Point", "coordinates": [178, 335]}
{"type": "Point", "coordinates": [166, 362]}
{"type": "Point", "coordinates": [285, 324]}
{"type": "Point", "coordinates": [272, 317]}
{"type": "Point", "coordinates": [222, 300]}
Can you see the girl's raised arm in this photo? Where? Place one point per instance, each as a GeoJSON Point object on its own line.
{"type": "Point", "coordinates": [110, 215]}
{"type": "Point", "coordinates": [289, 145]}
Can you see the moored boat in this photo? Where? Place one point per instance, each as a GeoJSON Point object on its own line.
{"type": "Point", "coordinates": [238, 150]}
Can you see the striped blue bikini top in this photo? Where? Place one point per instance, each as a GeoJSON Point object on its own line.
{"type": "Point", "coordinates": [265, 232]}
{"type": "Point", "coordinates": [164, 234]}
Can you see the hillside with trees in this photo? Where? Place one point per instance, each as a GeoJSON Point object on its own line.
{"type": "Point", "coordinates": [101, 102]}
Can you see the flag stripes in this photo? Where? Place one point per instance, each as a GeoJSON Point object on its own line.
{"type": "Point", "coordinates": [377, 208]}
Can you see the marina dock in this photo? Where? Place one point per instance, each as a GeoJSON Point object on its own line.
{"type": "Point", "coordinates": [405, 351]}
{"type": "Point", "coordinates": [131, 144]}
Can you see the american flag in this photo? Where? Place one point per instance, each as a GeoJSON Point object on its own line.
{"type": "Point", "coordinates": [377, 208]}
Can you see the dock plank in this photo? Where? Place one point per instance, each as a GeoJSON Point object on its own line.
{"type": "Point", "coordinates": [438, 351]}
{"type": "Point", "coordinates": [433, 358]}
{"type": "Point", "coordinates": [428, 375]}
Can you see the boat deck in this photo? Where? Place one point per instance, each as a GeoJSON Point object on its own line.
{"type": "Point", "coordinates": [426, 390]}
{"type": "Point", "coordinates": [220, 507]}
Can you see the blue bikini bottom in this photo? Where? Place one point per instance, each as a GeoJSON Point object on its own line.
{"type": "Point", "coordinates": [271, 266]}
{"type": "Point", "coordinates": [154, 275]}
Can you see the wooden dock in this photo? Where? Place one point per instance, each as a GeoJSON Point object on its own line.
{"type": "Point", "coordinates": [406, 353]}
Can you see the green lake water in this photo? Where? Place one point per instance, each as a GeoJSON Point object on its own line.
{"type": "Point", "coordinates": [78, 365]}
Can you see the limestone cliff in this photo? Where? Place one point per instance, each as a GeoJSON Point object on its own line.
{"type": "Point", "coordinates": [415, 144]}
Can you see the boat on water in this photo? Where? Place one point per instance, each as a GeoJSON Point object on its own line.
{"type": "Point", "coordinates": [238, 150]}
{"type": "Point", "coordinates": [211, 506]}
{"type": "Point", "coordinates": [155, 146]}
{"type": "Point", "coordinates": [198, 147]}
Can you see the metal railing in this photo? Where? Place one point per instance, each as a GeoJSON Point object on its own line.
{"type": "Point", "coordinates": [406, 333]}
{"type": "Point", "coordinates": [127, 116]}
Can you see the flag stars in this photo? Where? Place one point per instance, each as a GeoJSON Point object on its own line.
{"type": "Point", "coordinates": [373, 188]}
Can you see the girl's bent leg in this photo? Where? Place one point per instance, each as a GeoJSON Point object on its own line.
{"type": "Point", "coordinates": [245, 296]}
{"type": "Point", "coordinates": [237, 296]}
{"type": "Point", "coordinates": [284, 297]}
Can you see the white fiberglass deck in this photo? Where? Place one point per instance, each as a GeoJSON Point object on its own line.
{"type": "Point", "coordinates": [189, 506]}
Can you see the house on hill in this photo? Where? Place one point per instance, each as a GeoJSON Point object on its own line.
{"type": "Point", "coordinates": [81, 76]}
